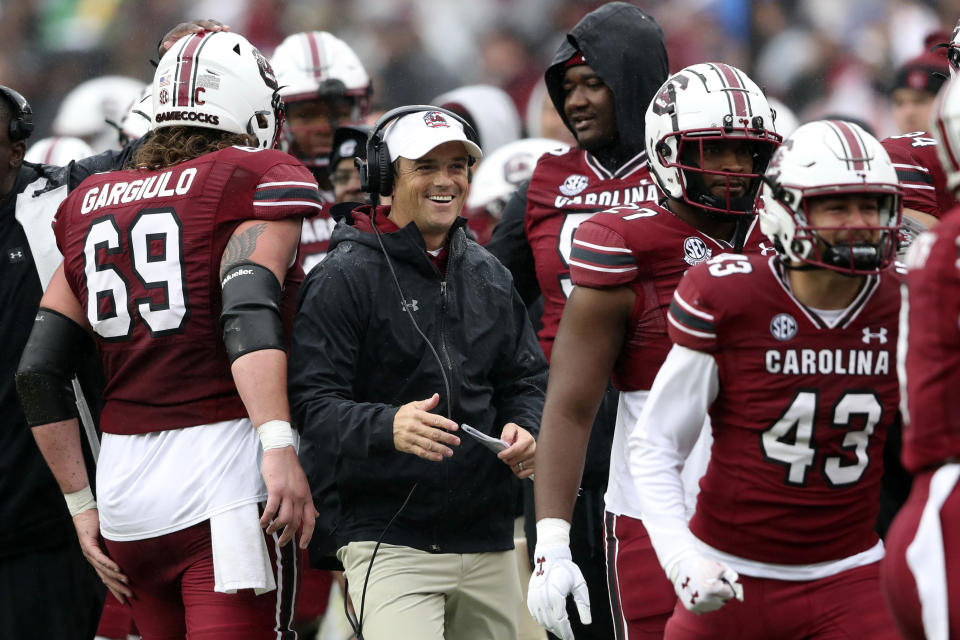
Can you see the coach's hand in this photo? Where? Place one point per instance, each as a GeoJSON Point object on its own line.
{"type": "Point", "coordinates": [519, 456]}
{"type": "Point", "coordinates": [424, 434]}
{"type": "Point", "coordinates": [87, 524]}
{"type": "Point", "coordinates": [289, 503]}
{"type": "Point", "coordinates": [555, 576]}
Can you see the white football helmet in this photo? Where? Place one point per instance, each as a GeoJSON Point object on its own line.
{"type": "Point", "coordinates": [702, 103]}
{"type": "Point", "coordinates": [825, 158]}
{"type": "Point", "coordinates": [318, 66]}
{"type": "Point", "coordinates": [945, 126]}
{"type": "Point", "coordinates": [57, 151]}
{"type": "Point", "coordinates": [93, 109]}
{"type": "Point", "coordinates": [953, 51]}
{"type": "Point", "coordinates": [218, 80]}
{"type": "Point", "coordinates": [785, 120]}
{"type": "Point", "coordinates": [138, 119]}
{"type": "Point", "coordinates": [501, 172]}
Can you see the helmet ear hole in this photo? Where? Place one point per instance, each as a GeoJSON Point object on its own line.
{"type": "Point", "coordinates": [663, 149]}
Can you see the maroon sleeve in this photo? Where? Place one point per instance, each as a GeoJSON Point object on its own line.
{"type": "Point", "coordinates": [600, 256]}
{"type": "Point", "coordinates": [692, 319]}
{"type": "Point", "coordinates": [911, 157]}
{"type": "Point", "coordinates": [284, 190]}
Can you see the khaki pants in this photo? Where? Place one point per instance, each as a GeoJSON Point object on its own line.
{"type": "Point", "coordinates": [415, 595]}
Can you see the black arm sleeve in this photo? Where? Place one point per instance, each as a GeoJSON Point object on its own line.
{"type": "Point", "coordinates": [250, 317]}
{"type": "Point", "coordinates": [509, 245]}
{"type": "Point", "coordinates": [47, 366]}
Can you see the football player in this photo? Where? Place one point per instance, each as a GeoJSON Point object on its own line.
{"type": "Point", "coordinates": [792, 358]}
{"type": "Point", "coordinates": [323, 85]}
{"type": "Point", "coordinates": [709, 136]}
{"type": "Point", "coordinates": [921, 564]}
{"type": "Point", "coordinates": [179, 268]}
{"type": "Point", "coordinates": [600, 81]}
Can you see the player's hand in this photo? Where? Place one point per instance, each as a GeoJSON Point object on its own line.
{"type": "Point", "coordinates": [87, 524]}
{"type": "Point", "coordinates": [703, 584]}
{"type": "Point", "coordinates": [424, 434]}
{"type": "Point", "coordinates": [186, 28]}
{"type": "Point", "coordinates": [289, 503]}
{"type": "Point", "coordinates": [555, 576]}
{"type": "Point", "coordinates": [519, 456]}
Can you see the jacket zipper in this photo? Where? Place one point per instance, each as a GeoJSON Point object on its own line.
{"type": "Point", "coordinates": [448, 364]}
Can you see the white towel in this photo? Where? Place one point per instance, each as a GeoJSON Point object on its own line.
{"type": "Point", "coordinates": [240, 558]}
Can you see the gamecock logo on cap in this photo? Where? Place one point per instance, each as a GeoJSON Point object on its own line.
{"type": "Point", "coordinates": [435, 119]}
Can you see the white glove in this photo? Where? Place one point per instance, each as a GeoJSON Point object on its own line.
{"type": "Point", "coordinates": [555, 576]}
{"type": "Point", "coordinates": [703, 584]}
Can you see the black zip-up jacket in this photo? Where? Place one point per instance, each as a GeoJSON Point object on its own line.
{"type": "Point", "coordinates": [33, 514]}
{"type": "Point", "coordinates": [356, 357]}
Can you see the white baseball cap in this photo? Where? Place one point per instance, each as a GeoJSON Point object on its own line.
{"type": "Point", "coordinates": [416, 134]}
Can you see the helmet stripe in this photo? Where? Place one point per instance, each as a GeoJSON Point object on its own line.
{"type": "Point", "coordinates": [315, 60]}
{"type": "Point", "coordinates": [851, 141]}
{"type": "Point", "coordinates": [735, 88]}
{"type": "Point", "coordinates": [196, 71]}
{"type": "Point", "coordinates": [185, 69]}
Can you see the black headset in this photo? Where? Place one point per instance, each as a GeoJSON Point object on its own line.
{"type": "Point", "coordinates": [21, 121]}
{"type": "Point", "coordinates": [376, 174]}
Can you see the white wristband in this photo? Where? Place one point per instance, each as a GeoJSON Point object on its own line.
{"type": "Point", "coordinates": [80, 501]}
{"type": "Point", "coordinates": [551, 531]}
{"type": "Point", "coordinates": [275, 434]}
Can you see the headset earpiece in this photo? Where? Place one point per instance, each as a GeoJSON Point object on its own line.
{"type": "Point", "coordinates": [377, 175]}
{"type": "Point", "coordinates": [21, 120]}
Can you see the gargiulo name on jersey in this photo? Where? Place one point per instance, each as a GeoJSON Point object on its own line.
{"type": "Point", "coordinates": [806, 362]}
{"type": "Point", "coordinates": [156, 186]}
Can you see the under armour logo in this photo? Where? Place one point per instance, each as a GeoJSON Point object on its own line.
{"type": "Point", "coordinates": [685, 583]}
{"type": "Point", "coordinates": [540, 562]}
{"type": "Point", "coordinates": [412, 305]}
{"type": "Point", "coordinates": [879, 335]}
{"type": "Point", "coordinates": [15, 255]}
{"type": "Point", "coordinates": [693, 598]}
{"type": "Point", "coordinates": [765, 249]}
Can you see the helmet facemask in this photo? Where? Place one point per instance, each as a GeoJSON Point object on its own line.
{"type": "Point", "coordinates": [333, 109]}
{"type": "Point", "coordinates": [850, 255]}
{"type": "Point", "coordinates": [689, 151]}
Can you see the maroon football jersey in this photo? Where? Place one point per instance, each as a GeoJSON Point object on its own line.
{"type": "Point", "coordinates": [315, 235]}
{"type": "Point", "coordinates": [914, 156]}
{"type": "Point", "coordinates": [932, 430]}
{"type": "Point", "coordinates": [802, 413]}
{"type": "Point", "coordinates": [566, 189]}
{"type": "Point", "coordinates": [142, 254]}
{"type": "Point", "coordinates": [648, 249]}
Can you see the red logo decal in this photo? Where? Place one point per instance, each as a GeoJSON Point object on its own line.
{"type": "Point", "coordinates": [435, 119]}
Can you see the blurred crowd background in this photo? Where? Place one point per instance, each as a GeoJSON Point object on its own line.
{"type": "Point", "coordinates": [819, 57]}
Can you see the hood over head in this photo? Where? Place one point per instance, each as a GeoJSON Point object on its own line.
{"type": "Point", "coordinates": [624, 46]}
